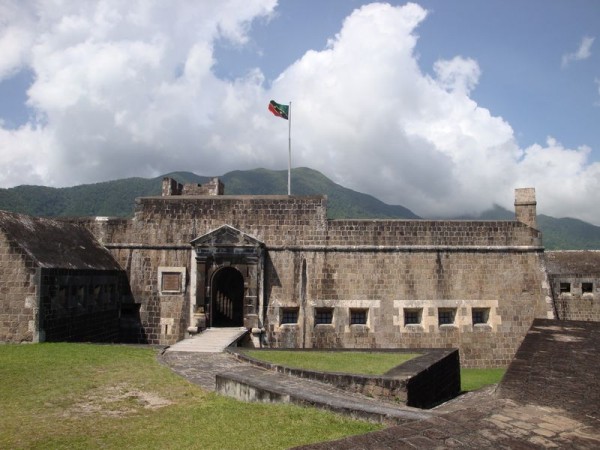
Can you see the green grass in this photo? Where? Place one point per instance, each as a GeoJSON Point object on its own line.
{"type": "Point", "coordinates": [361, 363]}
{"type": "Point", "coordinates": [473, 379]}
{"type": "Point", "coordinates": [80, 396]}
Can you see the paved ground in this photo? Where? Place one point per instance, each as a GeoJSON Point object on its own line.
{"type": "Point", "coordinates": [199, 368]}
{"type": "Point", "coordinates": [550, 398]}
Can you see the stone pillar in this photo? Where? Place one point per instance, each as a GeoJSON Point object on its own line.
{"type": "Point", "coordinates": [525, 206]}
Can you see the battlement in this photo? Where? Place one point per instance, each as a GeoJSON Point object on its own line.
{"type": "Point", "coordinates": [172, 187]}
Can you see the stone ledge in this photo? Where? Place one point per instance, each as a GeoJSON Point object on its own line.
{"type": "Point", "coordinates": [259, 385]}
{"type": "Point", "coordinates": [421, 382]}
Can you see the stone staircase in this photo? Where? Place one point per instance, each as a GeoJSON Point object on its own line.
{"type": "Point", "coordinates": [211, 340]}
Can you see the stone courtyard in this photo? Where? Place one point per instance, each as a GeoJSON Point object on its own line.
{"type": "Point", "coordinates": [549, 398]}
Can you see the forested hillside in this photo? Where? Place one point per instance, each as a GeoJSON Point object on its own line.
{"type": "Point", "coordinates": [117, 198]}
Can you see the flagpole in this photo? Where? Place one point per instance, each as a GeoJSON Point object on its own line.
{"type": "Point", "coordinates": [290, 148]}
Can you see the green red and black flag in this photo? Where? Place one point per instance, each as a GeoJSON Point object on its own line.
{"type": "Point", "coordinates": [279, 110]}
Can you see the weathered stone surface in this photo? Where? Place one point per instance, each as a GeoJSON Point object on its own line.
{"type": "Point", "coordinates": [574, 278]}
{"type": "Point", "coordinates": [57, 283]}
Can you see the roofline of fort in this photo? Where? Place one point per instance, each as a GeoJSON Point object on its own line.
{"type": "Point", "coordinates": [352, 248]}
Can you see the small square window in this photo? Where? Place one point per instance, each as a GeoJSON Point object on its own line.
{"type": "Point", "coordinates": [323, 316]}
{"type": "Point", "coordinates": [587, 288]}
{"type": "Point", "coordinates": [413, 316]}
{"type": "Point", "coordinates": [565, 288]}
{"type": "Point", "coordinates": [358, 317]}
{"type": "Point", "coordinates": [480, 315]}
{"type": "Point", "coordinates": [446, 316]}
{"type": "Point", "coordinates": [289, 316]}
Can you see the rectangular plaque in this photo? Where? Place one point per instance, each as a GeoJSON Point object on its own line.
{"type": "Point", "coordinates": [171, 281]}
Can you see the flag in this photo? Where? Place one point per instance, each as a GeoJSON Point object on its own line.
{"type": "Point", "coordinates": [279, 110]}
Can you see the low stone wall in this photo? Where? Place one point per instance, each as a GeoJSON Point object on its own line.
{"type": "Point", "coordinates": [422, 382]}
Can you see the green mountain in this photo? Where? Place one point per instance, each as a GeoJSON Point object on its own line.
{"type": "Point", "coordinates": [111, 198]}
{"type": "Point", "coordinates": [568, 233]}
{"type": "Point", "coordinates": [342, 203]}
{"type": "Point", "coordinates": [116, 198]}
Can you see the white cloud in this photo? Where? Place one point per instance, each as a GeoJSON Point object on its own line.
{"type": "Point", "coordinates": [17, 31]}
{"type": "Point", "coordinates": [566, 185]}
{"type": "Point", "coordinates": [583, 52]}
{"type": "Point", "coordinates": [458, 74]}
{"type": "Point", "coordinates": [128, 89]}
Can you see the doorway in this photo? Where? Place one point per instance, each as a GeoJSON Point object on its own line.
{"type": "Point", "coordinates": [227, 303]}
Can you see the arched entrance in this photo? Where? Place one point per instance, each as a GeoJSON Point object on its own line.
{"type": "Point", "coordinates": [228, 279]}
{"type": "Point", "coordinates": [227, 303]}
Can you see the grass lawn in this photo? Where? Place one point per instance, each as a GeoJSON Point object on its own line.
{"type": "Point", "coordinates": [109, 396]}
{"type": "Point", "coordinates": [362, 363]}
{"type": "Point", "coordinates": [473, 379]}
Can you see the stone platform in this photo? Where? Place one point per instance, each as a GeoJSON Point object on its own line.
{"type": "Point", "coordinates": [259, 385]}
{"type": "Point", "coordinates": [549, 398]}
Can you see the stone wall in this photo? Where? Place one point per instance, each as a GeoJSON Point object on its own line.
{"type": "Point", "coordinates": [580, 299]}
{"type": "Point", "coordinates": [163, 314]}
{"type": "Point", "coordinates": [18, 294]}
{"type": "Point", "coordinates": [426, 233]}
{"type": "Point", "coordinates": [507, 285]}
{"type": "Point", "coordinates": [575, 283]}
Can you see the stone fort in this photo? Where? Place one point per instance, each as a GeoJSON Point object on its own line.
{"type": "Point", "coordinates": [195, 258]}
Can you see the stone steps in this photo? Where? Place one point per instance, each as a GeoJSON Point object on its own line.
{"type": "Point", "coordinates": [211, 340]}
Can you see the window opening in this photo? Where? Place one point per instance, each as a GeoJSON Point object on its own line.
{"type": "Point", "coordinates": [323, 316]}
{"type": "Point", "coordinates": [565, 288]}
{"type": "Point", "coordinates": [413, 316]}
{"type": "Point", "coordinates": [587, 288]}
{"type": "Point", "coordinates": [289, 316]}
{"type": "Point", "coordinates": [446, 316]}
{"type": "Point", "coordinates": [358, 317]}
{"type": "Point", "coordinates": [480, 315]}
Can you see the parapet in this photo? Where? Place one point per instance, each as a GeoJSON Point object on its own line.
{"type": "Point", "coordinates": [172, 187]}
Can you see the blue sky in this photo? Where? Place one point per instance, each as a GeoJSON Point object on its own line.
{"type": "Point", "coordinates": [443, 107]}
